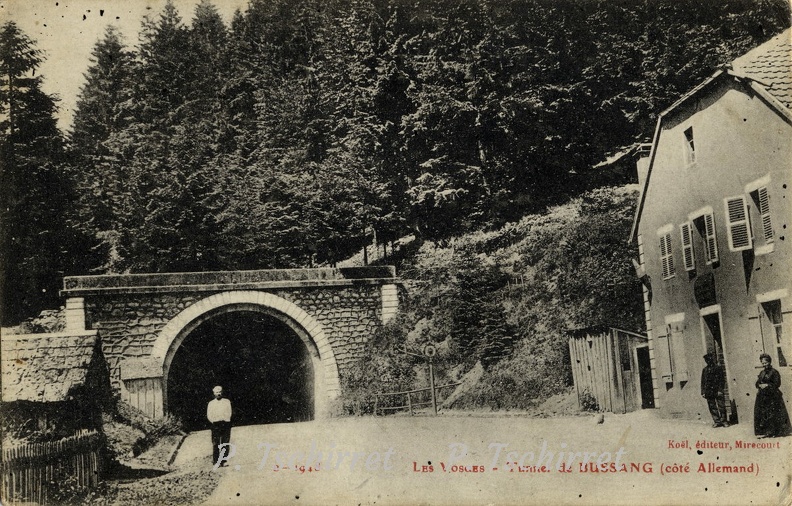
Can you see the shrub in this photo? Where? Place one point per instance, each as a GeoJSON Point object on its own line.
{"type": "Point", "coordinates": [67, 491]}
{"type": "Point", "coordinates": [383, 368]}
{"type": "Point", "coordinates": [588, 402]}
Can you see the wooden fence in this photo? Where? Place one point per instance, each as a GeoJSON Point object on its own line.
{"type": "Point", "coordinates": [411, 404]}
{"type": "Point", "coordinates": [29, 469]}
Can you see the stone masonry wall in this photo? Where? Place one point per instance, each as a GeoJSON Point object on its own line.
{"type": "Point", "coordinates": [129, 324]}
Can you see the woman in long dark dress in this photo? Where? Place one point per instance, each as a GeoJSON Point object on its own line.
{"type": "Point", "coordinates": [770, 415]}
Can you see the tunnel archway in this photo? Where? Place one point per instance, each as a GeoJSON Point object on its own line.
{"type": "Point", "coordinates": [305, 326]}
{"type": "Point", "coordinates": [263, 365]}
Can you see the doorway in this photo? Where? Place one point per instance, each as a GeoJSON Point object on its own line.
{"type": "Point", "coordinates": [713, 343]}
{"type": "Point", "coordinates": [645, 377]}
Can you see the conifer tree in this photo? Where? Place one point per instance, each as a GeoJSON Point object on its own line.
{"type": "Point", "coordinates": [94, 167]}
{"type": "Point", "coordinates": [33, 193]}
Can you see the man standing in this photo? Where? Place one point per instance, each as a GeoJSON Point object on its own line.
{"type": "Point", "coordinates": [712, 381]}
{"type": "Point", "coordinates": [218, 412]}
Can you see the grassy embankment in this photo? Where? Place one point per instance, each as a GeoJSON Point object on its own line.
{"type": "Point", "coordinates": [497, 304]}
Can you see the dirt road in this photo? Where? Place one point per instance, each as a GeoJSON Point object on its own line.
{"type": "Point", "coordinates": [499, 460]}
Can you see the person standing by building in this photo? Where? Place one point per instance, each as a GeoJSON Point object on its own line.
{"type": "Point", "coordinates": [218, 412]}
{"type": "Point", "coordinates": [712, 381]}
{"type": "Point", "coordinates": [770, 415]}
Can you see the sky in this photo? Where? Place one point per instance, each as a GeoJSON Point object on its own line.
{"type": "Point", "coordinates": [67, 30]}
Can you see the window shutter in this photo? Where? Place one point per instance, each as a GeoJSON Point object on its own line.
{"type": "Point", "coordinates": [663, 358]}
{"type": "Point", "coordinates": [666, 257]}
{"type": "Point", "coordinates": [758, 338]}
{"type": "Point", "coordinates": [738, 228]}
{"type": "Point", "coordinates": [710, 240]}
{"type": "Point", "coordinates": [679, 359]}
{"type": "Point", "coordinates": [764, 212]}
{"type": "Point", "coordinates": [687, 247]}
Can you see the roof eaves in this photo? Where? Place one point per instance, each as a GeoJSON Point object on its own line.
{"type": "Point", "coordinates": [687, 96]}
{"type": "Point", "coordinates": [756, 85]}
{"type": "Point", "coordinates": [761, 89]}
{"type": "Point", "coordinates": [642, 197]}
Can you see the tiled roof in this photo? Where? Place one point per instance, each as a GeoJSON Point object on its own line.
{"type": "Point", "coordinates": [44, 367]}
{"type": "Point", "coordinates": [771, 66]}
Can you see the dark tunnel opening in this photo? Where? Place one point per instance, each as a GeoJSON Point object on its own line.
{"type": "Point", "coordinates": [263, 366]}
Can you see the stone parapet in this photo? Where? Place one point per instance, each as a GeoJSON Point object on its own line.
{"type": "Point", "coordinates": [74, 286]}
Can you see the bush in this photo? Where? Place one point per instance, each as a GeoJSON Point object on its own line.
{"type": "Point", "coordinates": [588, 402]}
{"type": "Point", "coordinates": [48, 321]}
{"type": "Point", "coordinates": [135, 432]}
{"type": "Point", "coordinates": [68, 492]}
{"type": "Point", "coordinates": [383, 368]}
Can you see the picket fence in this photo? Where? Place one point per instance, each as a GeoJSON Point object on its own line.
{"type": "Point", "coordinates": [28, 469]}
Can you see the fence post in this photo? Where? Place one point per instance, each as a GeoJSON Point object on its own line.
{"type": "Point", "coordinates": [409, 403]}
{"type": "Point", "coordinates": [432, 387]}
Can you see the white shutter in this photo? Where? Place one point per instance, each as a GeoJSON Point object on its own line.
{"type": "Point", "coordinates": [738, 227]}
{"type": "Point", "coordinates": [663, 356]}
{"type": "Point", "coordinates": [666, 256]}
{"type": "Point", "coordinates": [710, 240]}
{"type": "Point", "coordinates": [764, 212]}
{"type": "Point", "coordinates": [679, 360]}
{"type": "Point", "coordinates": [688, 258]}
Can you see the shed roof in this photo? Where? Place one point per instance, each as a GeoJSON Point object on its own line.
{"type": "Point", "coordinates": [44, 367]}
{"type": "Point", "coordinates": [766, 69]}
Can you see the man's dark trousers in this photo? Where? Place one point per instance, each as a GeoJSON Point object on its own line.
{"type": "Point", "coordinates": [221, 434]}
{"type": "Point", "coordinates": [717, 408]}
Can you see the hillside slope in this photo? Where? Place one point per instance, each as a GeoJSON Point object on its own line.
{"type": "Point", "coordinates": [504, 299]}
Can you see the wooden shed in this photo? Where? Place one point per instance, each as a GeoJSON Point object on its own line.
{"type": "Point", "coordinates": [611, 369]}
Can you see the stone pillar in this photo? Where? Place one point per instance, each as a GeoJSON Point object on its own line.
{"type": "Point", "coordinates": [75, 314]}
{"type": "Point", "coordinates": [390, 302]}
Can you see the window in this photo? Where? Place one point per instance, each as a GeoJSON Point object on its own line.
{"type": "Point", "coordinates": [666, 256]}
{"type": "Point", "coordinates": [688, 257]}
{"type": "Point", "coordinates": [710, 241]}
{"type": "Point", "coordinates": [690, 148]}
{"type": "Point", "coordinates": [762, 201]}
{"type": "Point", "coordinates": [744, 211]}
{"type": "Point", "coordinates": [775, 320]}
{"type": "Point", "coordinates": [703, 221]}
{"type": "Point", "coordinates": [738, 228]}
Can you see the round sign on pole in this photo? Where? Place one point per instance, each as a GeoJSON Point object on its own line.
{"type": "Point", "coordinates": [430, 350]}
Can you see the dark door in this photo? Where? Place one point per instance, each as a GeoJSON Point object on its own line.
{"type": "Point", "coordinates": [645, 377]}
{"type": "Point", "coordinates": [714, 342]}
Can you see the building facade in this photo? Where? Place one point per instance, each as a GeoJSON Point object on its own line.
{"type": "Point", "coordinates": [712, 231]}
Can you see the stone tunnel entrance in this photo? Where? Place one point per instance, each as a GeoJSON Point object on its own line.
{"type": "Point", "coordinates": [144, 319]}
{"type": "Point", "coordinates": [263, 365]}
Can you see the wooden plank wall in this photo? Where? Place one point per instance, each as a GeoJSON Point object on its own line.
{"type": "Point", "coordinates": [144, 394]}
{"type": "Point", "coordinates": [591, 369]}
{"type": "Point", "coordinates": [29, 468]}
{"type": "Point", "coordinates": [597, 369]}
